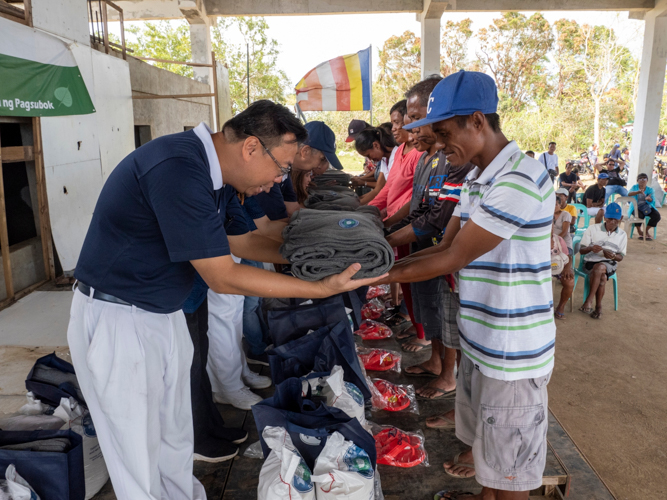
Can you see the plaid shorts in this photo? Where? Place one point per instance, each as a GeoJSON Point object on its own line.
{"type": "Point", "coordinates": [450, 326]}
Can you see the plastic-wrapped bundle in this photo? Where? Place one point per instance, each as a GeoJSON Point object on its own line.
{"type": "Point", "coordinates": [321, 243]}
{"type": "Point", "coordinates": [333, 177]}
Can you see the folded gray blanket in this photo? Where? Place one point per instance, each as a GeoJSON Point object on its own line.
{"type": "Point", "coordinates": [319, 243]}
{"type": "Point", "coordinates": [53, 445]}
{"type": "Point", "coordinates": [320, 200]}
{"type": "Point", "coordinates": [55, 377]}
{"type": "Point", "coordinates": [333, 177]}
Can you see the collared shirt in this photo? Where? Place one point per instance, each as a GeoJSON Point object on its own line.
{"type": "Point", "coordinates": [597, 234]}
{"type": "Point", "coordinates": [273, 202]}
{"type": "Point", "coordinates": [158, 210]}
{"type": "Point", "coordinates": [506, 315]}
{"type": "Point", "coordinates": [550, 161]}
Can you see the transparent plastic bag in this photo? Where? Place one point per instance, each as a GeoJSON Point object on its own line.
{"type": "Point", "coordinates": [373, 330]}
{"type": "Point", "coordinates": [14, 487]}
{"type": "Point", "coordinates": [393, 397]}
{"type": "Point", "coordinates": [377, 291]}
{"type": "Point", "coordinates": [379, 360]}
{"type": "Point", "coordinates": [254, 450]}
{"type": "Point", "coordinates": [399, 448]}
{"type": "Point", "coordinates": [372, 309]}
{"type": "Point", "coordinates": [33, 406]}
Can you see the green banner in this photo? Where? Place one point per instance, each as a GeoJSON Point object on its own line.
{"type": "Point", "coordinates": [31, 88]}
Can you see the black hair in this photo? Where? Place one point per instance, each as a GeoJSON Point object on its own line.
{"type": "Point", "coordinates": [268, 121]}
{"type": "Point", "coordinates": [423, 89]}
{"type": "Point", "coordinates": [529, 152]}
{"type": "Point", "coordinates": [401, 107]}
{"type": "Point", "coordinates": [386, 126]}
{"type": "Point", "coordinates": [367, 137]}
{"type": "Point", "coordinates": [642, 176]}
{"type": "Point", "coordinates": [552, 142]}
{"type": "Point", "coordinates": [492, 119]}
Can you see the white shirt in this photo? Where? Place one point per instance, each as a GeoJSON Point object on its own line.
{"type": "Point", "coordinates": [551, 160]}
{"type": "Point", "coordinates": [596, 234]}
{"type": "Point", "coordinates": [506, 316]}
{"type": "Point", "coordinates": [204, 133]}
{"type": "Point", "coordinates": [385, 166]}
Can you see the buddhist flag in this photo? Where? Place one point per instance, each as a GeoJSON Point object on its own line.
{"type": "Point", "coordinates": [340, 84]}
{"type": "Point", "coordinates": [39, 75]}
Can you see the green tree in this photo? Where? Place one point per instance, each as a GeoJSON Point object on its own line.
{"type": "Point", "coordinates": [163, 40]}
{"type": "Point", "coordinates": [171, 41]}
{"type": "Point", "coordinates": [399, 63]}
{"type": "Point", "coordinates": [266, 80]}
{"type": "Point", "coordinates": [454, 46]}
{"type": "Point", "coordinates": [514, 50]}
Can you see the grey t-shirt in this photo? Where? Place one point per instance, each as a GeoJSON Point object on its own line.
{"type": "Point", "coordinates": [563, 217]}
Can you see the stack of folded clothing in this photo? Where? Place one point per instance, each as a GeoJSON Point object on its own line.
{"type": "Point", "coordinates": [333, 177]}
{"type": "Point", "coordinates": [344, 199]}
{"type": "Point", "coordinates": [319, 243]}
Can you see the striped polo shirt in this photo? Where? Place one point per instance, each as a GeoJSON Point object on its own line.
{"type": "Point", "coordinates": [506, 315]}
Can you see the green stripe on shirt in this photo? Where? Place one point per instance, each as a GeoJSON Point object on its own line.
{"type": "Point", "coordinates": [502, 369]}
{"type": "Point", "coordinates": [519, 188]}
{"type": "Point", "coordinates": [506, 283]}
{"type": "Point", "coordinates": [531, 238]}
{"type": "Point", "coordinates": [506, 327]}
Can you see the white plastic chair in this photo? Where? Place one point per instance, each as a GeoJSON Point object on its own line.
{"type": "Point", "coordinates": [625, 202]}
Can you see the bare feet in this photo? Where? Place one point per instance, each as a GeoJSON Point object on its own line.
{"type": "Point", "coordinates": [597, 314]}
{"type": "Point", "coordinates": [430, 367]}
{"type": "Point", "coordinates": [463, 465]}
{"type": "Point", "coordinates": [407, 333]}
{"type": "Point", "coordinates": [438, 388]}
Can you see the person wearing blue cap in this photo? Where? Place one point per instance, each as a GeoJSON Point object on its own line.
{"type": "Point", "coordinates": [315, 154]}
{"type": "Point", "coordinates": [603, 246]}
{"type": "Point", "coordinates": [498, 240]}
{"type": "Point", "coordinates": [595, 196]}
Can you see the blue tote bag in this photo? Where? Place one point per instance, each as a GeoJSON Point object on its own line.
{"type": "Point", "coordinates": [52, 379]}
{"type": "Point", "coordinates": [53, 475]}
{"type": "Point", "coordinates": [320, 351]}
{"type": "Point", "coordinates": [308, 422]}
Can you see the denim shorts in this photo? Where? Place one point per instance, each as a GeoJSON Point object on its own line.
{"type": "Point", "coordinates": [506, 424]}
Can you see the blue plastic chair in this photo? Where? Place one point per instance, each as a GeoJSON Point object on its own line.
{"type": "Point", "coordinates": [582, 211]}
{"type": "Point", "coordinates": [579, 271]}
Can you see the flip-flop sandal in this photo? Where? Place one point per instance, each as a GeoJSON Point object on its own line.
{"type": "Point", "coordinates": [559, 315]}
{"type": "Point", "coordinates": [641, 238]}
{"type": "Point", "coordinates": [404, 335]}
{"type": "Point", "coordinates": [596, 314]}
{"type": "Point", "coordinates": [394, 321]}
{"type": "Point", "coordinates": [456, 462]}
{"type": "Point", "coordinates": [394, 447]}
{"type": "Point", "coordinates": [442, 394]}
{"type": "Point", "coordinates": [373, 331]}
{"type": "Point", "coordinates": [379, 360]}
{"type": "Point", "coordinates": [451, 495]}
{"type": "Point", "coordinates": [588, 310]}
{"type": "Point", "coordinates": [424, 372]}
{"type": "Point", "coordinates": [449, 424]}
{"type": "Point", "coordinates": [397, 399]}
{"type": "Point", "coordinates": [421, 347]}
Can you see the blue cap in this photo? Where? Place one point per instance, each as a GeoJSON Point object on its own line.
{"type": "Point", "coordinates": [460, 94]}
{"type": "Point", "coordinates": [322, 138]}
{"type": "Point", "coordinates": [603, 175]}
{"type": "Point", "coordinates": [616, 145]}
{"type": "Point", "coordinates": [613, 211]}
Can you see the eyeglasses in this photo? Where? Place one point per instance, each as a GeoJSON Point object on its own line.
{"type": "Point", "coordinates": [283, 170]}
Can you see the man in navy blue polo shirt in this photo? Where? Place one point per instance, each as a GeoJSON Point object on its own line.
{"type": "Point", "coordinates": [160, 217]}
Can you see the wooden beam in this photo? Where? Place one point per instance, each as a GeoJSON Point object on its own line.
{"type": "Point", "coordinates": [218, 125]}
{"type": "Point", "coordinates": [27, 6]}
{"type": "Point", "coordinates": [4, 240]}
{"type": "Point", "coordinates": [43, 202]}
{"type": "Point", "coordinates": [15, 154]}
{"type": "Point", "coordinates": [12, 17]}
{"type": "Point", "coordinates": [11, 10]}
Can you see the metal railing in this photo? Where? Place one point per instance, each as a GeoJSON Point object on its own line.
{"type": "Point", "coordinates": [99, 25]}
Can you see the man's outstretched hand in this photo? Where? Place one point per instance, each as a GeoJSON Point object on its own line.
{"type": "Point", "coordinates": [343, 282]}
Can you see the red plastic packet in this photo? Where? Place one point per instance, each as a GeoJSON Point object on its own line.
{"type": "Point", "coordinates": [371, 310]}
{"type": "Point", "coordinates": [379, 360]}
{"type": "Point", "coordinates": [392, 397]}
{"type": "Point", "coordinates": [399, 448]}
{"type": "Point", "coordinates": [377, 291]}
{"type": "Point", "coordinates": [372, 330]}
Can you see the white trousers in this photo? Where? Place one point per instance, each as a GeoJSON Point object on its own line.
{"type": "Point", "coordinates": [226, 363]}
{"type": "Point", "coordinates": [133, 367]}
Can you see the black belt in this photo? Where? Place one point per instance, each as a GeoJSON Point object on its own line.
{"type": "Point", "coordinates": [85, 289]}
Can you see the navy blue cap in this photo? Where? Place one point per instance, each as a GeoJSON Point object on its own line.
{"type": "Point", "coordinates": [322, 138]}
{"type": "Point", "coordinates": [460, 94]}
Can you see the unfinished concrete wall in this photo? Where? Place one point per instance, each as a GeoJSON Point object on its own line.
{"type": "Point", "coordinates": [224, 94]}
{"type": "Point", "coordinates": [27, 265]}
{"type": "Point", "coordinates": [167, 116]}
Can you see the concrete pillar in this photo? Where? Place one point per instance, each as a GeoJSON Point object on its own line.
{"type": "Point", "coordinates": [649, 96]}
{"type": "Point", "coordinates": [200, 41]}
{"type": "Point", "coordinates": [430, 46]}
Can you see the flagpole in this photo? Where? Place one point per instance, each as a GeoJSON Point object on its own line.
{"type": "Point", "coordinates": [370, 77]}
{"type": "Point", "coordinates": [300, 113]}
